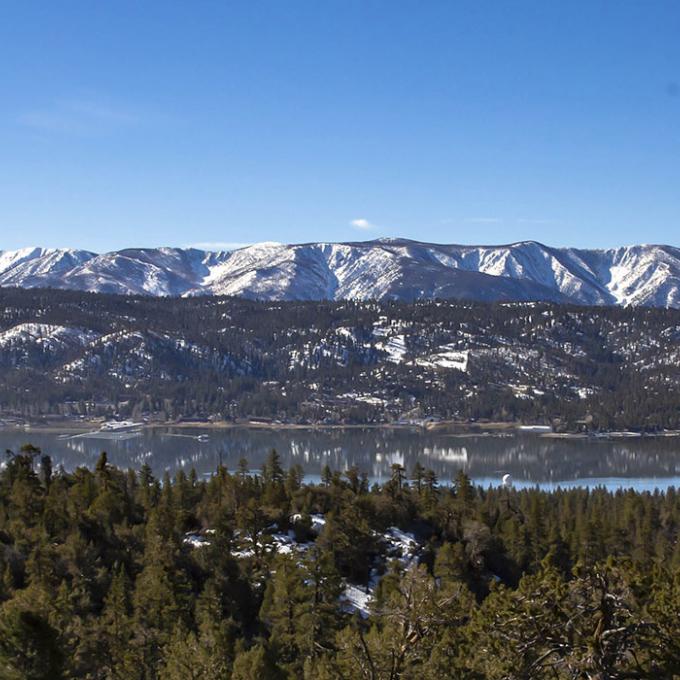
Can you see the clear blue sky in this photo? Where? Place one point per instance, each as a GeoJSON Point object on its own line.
{"type": "Point", "coordinates": [174, 123]}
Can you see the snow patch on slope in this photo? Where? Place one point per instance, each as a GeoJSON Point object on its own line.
{"type": "Point", "coordinates": [382, 269]}
{"type": "Point", "coordinates": [46, 336]}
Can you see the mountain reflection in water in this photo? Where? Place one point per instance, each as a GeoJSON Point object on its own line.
{"type": "Point", "coordinates": [529, 459]}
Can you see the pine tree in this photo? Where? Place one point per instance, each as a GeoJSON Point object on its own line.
{"type": "Point", "coordinates": [30, 648]}
{"type": "Point", "coordinates": [272, 472]}
{"type": "Point", "coordinates": [317, 614]}
{"type": "Point", "coordinates": [465, 492]}
{"type": "Point", "coordinates": [280, 607]}
{"type": "Point", "coordinates": [326, 475]}
{"type": "Point", "coordinates": [160, 595]}
{"type": "Point", "coordinates": [418, 475]}
{"type": "Point", "coordinates": [46, 471]}
{"type": "Point", "coordinates": [115, 624]}
{"type": "Point", "coordinates": [256, 663]}
{"type": "Point", "coordinates": [182, 658]}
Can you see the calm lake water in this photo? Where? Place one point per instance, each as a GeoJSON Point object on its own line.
{"type": "Point", "coordinates": [531, 460]}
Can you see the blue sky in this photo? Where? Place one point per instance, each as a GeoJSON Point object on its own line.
{"type": "Point", "coordinates": [175, 123]}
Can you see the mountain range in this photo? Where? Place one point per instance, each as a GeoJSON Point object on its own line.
{"type": "Point", "coordinates": [70, 354]}
{"type": "Point", "coordinates": [384, 269]}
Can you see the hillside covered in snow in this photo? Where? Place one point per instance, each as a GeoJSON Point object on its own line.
{"type": "Point", "coordinates": [386, 269]}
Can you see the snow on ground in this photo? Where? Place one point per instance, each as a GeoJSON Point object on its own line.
{"type": "Point", "coordinates": [389, 340]}
{"type": "Point", "coordinates": [345, 332]}
{"type": "Point", "coordinates": [46, 336]}
{"type": "Point", "coordinates": [356, 599]}
{"type": "Point", "coordinates": [395, 347]}
{"type": "Point", "coordinates": [196, 539]}
{"type": "Point", "coordinates": [583, 392]}
{"type": "Point", "coordinates": [402, 546]}
{"type": "Point", "coordinates": [318, 522]}
{"type": "Point", "coordinates": [285, 544]}
{"type": "Point", "coordinates": [364, 398]}
{"type": "Point", "coordinates": [397, 545]}
{"type": "Point", "coordinates": [446, 357]}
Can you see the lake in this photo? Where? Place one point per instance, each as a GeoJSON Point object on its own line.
{"type": "Point", "coordinates": [531, 460]}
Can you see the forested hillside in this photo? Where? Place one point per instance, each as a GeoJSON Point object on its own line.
{"type": "Point", "coordinates": [75, 354]}
{"type": "Point", "coordinates": [112, 574]}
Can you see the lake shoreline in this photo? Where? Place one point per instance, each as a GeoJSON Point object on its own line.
{"type": "Point", "coordinates": [486, 456]}
{"type": "Point", "coordinates": [451, 428]}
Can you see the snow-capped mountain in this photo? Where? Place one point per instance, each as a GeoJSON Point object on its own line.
{"type": "Point", "coordinates": [384, 269]}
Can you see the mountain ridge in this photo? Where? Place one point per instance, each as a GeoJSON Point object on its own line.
{"type": "Point", "coordinates": [383, 269]}
{"type": "Point", "coordinates": [73, 353]}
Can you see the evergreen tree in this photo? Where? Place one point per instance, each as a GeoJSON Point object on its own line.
{"type": "Point", "coordinates": [30, 648]}
{"type": "Point", "coordinates": [255, 663]}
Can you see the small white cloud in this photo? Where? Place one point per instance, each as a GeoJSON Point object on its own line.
{"type": "Point", "coordinates": [218, 245]}
{"type": "Point", "coordinates": [362, 224]}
